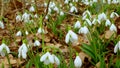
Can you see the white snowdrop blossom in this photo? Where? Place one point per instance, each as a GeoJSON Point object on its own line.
{"type": "Point", "coordinates": [32, 9]}
{"type": "Point", "coordinates": [36, 15]}
{"type": "Point", "coordinates": [56, 60]}
{"type": "Point", "coordinates": [2, 25]}
{"type": "Point", "coordinates": [117, 47]}
{"type": "Point", "coordinates": [26, 17]}
{"type": "Point", "coordinates": [22, 51]}
{"type": "Point", "coordinates": [18, 18]}
{"type": "Point", "coordinates": [89, 22]}
{"type": "Point", "coordinates": [66, 1]}
{"type": "Point", "coordinates": [83, 30]}
{"type": "Point", "coordinates": [113, 14]}
{"type": "Point", "coordinates": [94, 1]}
{"type": "Point", "coordinates": [19, 33]}
{"type": "Point", "coordinates": [78, 62]}
{"type": "Point", "coordinates": [102, 16]}
{"type": "Point", "coordinates": [73, 9]}
{"type": "Point", "coordinates": [45, 4]}
{"type": "Point", "coordinates": [107, 23]}
{"type": "Point", "coordinates": [37, 43]}
{"type": "Point", "coordinates": [109, 1]}
{"type": "Point", "coordinates": [40, 30]}
{"type": "Point", "coordinates": [4, 49]}
{"type": "Point", "coordinates": [56, 9]}
{"type": "Point", "coordinates": [71, 37]}
{"type": "Point", "coordinates": [77, 24]}
{"type": "Point", "coordinates": [115, 1]}
{"type": "Point", "coordinates": [61, 13]}
{"type": "Point", "coordinates": [26, 32]}
{"type": "Point", "coordinates": [47, 58]}
{"type": "Point", "coordinates": [86, 14]}
{"type": "Point", "coordinates": [113, 28]}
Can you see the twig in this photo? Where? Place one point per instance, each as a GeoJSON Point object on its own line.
{"type": "Point", "coordinates": [71, 14]}
{"type": "Point", "coordinates": [46, 10]}
{"type": "Point", "coordinates": [2, 8]}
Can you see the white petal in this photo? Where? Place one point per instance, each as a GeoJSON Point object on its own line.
{"type": "Point", "coordinates": [2, 25]}
{"type": "Point", "coordinates": [77, 25]}
{"type": "Point", "coordinates": [46, 62]}
{"type": "Point", "coordinates": [57, 61]}
{"type": "Point", "coordinates": [44, 57]}
{"type": "Point", "coordinates": [116, 48]}
{"type": "Point", "coordinates": [24, 55]}
{"type": "Point", "coordinates": [107, 23]}
{"type": "Point", "coordinates": [77, 62]}
{"type": "Point", "coordinates": [19, 33]}
{"type": "Point", "coordinates": [51, 59]}
{"type": "Point", "coordinates": [73, 36]}
{"type": "Point", "coordinates": [113, 28]}
{"type": "Point", "coordinates": [67, 38]}
{"type": "Point", "coordinates": [37, 43]}
{"type": "Point", "coordinates": [89, 22]}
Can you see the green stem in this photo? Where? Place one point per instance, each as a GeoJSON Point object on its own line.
{"type": "Point", "coordinates": [8, 60]}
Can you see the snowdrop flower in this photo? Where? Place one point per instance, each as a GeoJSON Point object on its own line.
{"type": "Point", "coordinates": [19, 33]}
{"type": "Point", "coordinates": [117, 47]}
{"type": "Point", "coordinates": [56, 60]}
{"type": "Point", "coordinates": [56, 9]}
{"type": "Point", "coordinates": [45, 4]}
{"type": "Point", "coordinates": [32, 9]}
{"type": "Point", "coordinates": [86, 14]}
{"type": "Point", "coordinates": [89, 22]}
{"type": "Point", "coordinates": [46, 17]}
{"type": "Point", "coordinates": [95, 1]}
{"type": "Point", "coordinates": [52, 5]}
{"type": "Point", "coordinates": [61, 13]}
{"type": "Point", "coordinates": [107, 23]}
{"type": "Point", "coordinates": [113, 28]}
{"type": "Point", "coordinates": [77, 24]}
{"type": "Point", "coordinates": [78, 62]}
{"type": "Point", "coordinates": [37, 43]}
{"type": "Point", "coordinates": [73, 9]}
{"type": "Point", "coordinates": [26, 17]}
{"type": "Point", "coordinates": [66, 1]}
{"type": "Point", "coordinates": [40, 30]}
{"type": "Point", "coordinates": [113, 14]}
{"type": "Point", "coordinates": [2, 25]}
{"type": "Point", "coordinates": [114, 1]}
{"type": "Point", "coordinates": [104, 1]}
{"type": "Point", "coordinates": [36, 16]}
{"type": "Point", "coordinates": [47, 58]}
{"type": "Point", "coordinates": [18, 18]}
{"type": "Point", "coordinates": [71, 37]}
{"type": "Point", "coordinates": [26, 32]}
{"type": "Point", "coordinates": [4, 49]}
{"type": "Point", "coordinates": [102, 16]}
{"type": "Point", "coordinates": [83, 30]}
{"type": "Point", "coordinates": [109, 1]}
{"type": "Point", "coordinates": [22, 51]}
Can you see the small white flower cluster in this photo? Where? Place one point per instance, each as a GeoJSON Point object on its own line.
{"type": "Point", "coordinates": [90, 2]}
{"type": "Point", "coordinates": [47, 58]}
{"type": "Point", "coordinates": [19, 33]}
